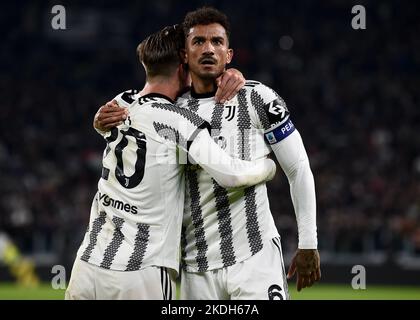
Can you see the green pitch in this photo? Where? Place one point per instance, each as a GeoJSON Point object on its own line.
{"type": "Point", "coordinates": [11, 291]}
{"type": "Point", "coordinates": [346, 292]}
{"type": "Point", "coordinates": [317, 292]}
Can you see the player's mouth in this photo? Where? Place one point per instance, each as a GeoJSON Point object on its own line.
{"type": "Point", "coordinates": [207, 61]}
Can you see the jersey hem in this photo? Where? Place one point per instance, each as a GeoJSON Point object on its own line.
{"type": "Point", "coordinates": [219, 264]}
{"type": "Point", "coordinates": [143, 266]}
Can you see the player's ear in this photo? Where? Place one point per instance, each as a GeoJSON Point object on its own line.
{"type": "Point", "coordinates": [229, 56]}
{"type": "Point", "coordinates": [185, 68]}
{"type": "Point", "coordinates": [182, 70]}
{"type": "Point", "coordinates": [184, 56]}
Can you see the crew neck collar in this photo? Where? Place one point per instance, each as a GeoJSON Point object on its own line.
{"type": "Point", "coordinates": [158, 95]}
{"type": "Point", "coordinates": [202, 95]}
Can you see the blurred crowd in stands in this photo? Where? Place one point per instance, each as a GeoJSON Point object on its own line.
{"type": "Point", "coordinates": [353, 95]}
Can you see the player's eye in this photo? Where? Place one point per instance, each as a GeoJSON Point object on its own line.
{"type": "Point", "coordinates": [198, 41]}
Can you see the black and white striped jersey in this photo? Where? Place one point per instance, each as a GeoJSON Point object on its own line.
{"type": "Point", "coordinates": [136, 215]}
{"type": "Point", "coordinates": [221, 226]}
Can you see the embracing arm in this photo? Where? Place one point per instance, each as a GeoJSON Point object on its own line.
{"type": "Point", "coordinates": [108, 116]}
{"type": "Point", "coordinates": [111, 114]}
{"type": "Point", "coordinates": [228, 85]}
{"type": "Point", "coordinates": [227, 171]}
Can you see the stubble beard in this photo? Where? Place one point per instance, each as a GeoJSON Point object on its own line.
{"type": "Point", "coordinates": [207, 76]}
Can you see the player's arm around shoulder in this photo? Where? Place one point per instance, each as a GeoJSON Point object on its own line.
{"type": "Point", "coordinates": [229, 172]}
{"type": "Point", "coordinates": [113, 113]}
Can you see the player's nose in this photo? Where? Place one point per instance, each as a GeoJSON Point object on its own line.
{"type": "Point", "coordinates": [208, 48]}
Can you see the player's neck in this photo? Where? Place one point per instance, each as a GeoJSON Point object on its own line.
{"type": "Point", "coordinates": [161, 88]}
{"type": "Point", "coordinates": [203, 86]}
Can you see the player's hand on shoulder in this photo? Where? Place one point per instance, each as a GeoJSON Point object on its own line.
{"type": "Point", "coordinates": [306, 263]}
{"type": "Point", "coordinates": [229, 83]}
{"type": "Point", "coordinates": [109, 115]}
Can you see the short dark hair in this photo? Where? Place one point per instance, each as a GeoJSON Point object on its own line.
{"type": "Point", "coordinates": [160, 52]}
{"type": "Point", "coordinates": [205, 16]}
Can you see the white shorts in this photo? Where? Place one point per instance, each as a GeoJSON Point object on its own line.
{"type": "Point", "coordinates": [260, 277]}
{"type": "Point", "coordinates": [90, 282]}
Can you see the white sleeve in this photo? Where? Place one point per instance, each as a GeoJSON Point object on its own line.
{"type": "Point", "coordinates": [227, 171]}
{"type": "Point", "coordinates": [123, 100]}
{"type": "Point", "coordinates": [293, 159]}
{"type": "Point", "coordinates": [102, 133]}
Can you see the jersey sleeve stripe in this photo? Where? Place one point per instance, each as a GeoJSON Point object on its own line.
{"type": "Point", "coordinates": [170, 134]}
{"type": "Point", "coordinates": [251, 83]}
{"type": "Point", "coordinates": [185, 113]}
{"type": "Point", "coordinates": [258, 103]}
{"type": "Point", "coordinates": [205, 125]}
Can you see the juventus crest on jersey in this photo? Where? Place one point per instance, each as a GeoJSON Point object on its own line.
{"type": "Point", "coordinates": [221, 226]}
{"type": "Point", "coordinates": [136, 214]}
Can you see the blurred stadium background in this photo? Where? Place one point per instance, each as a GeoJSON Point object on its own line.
{"type": "Point", "coordinates": [353, 94]}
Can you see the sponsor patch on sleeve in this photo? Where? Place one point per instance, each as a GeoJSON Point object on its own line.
{"type": "Point", "coordinates": [276, 111]}
{"type": "Point", "coordinates": [279, 133]}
